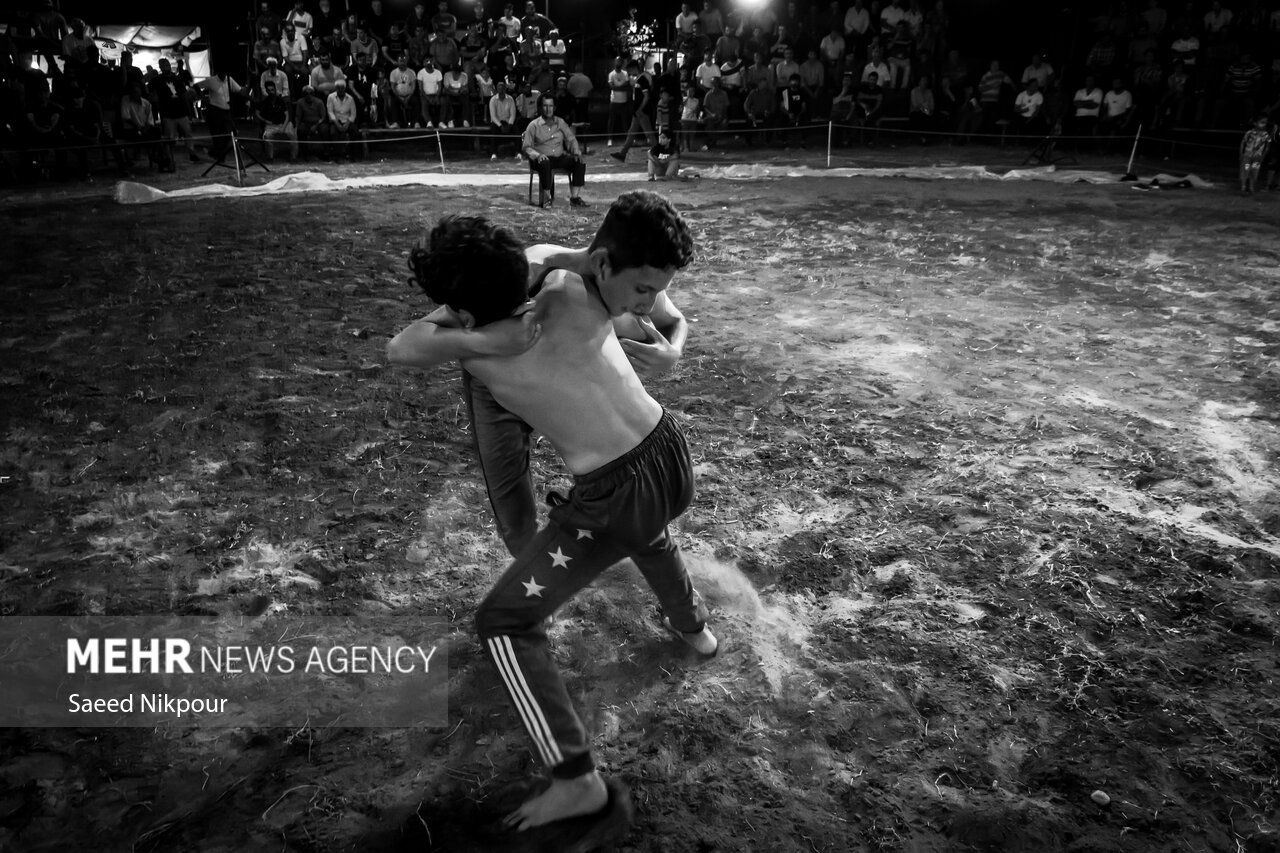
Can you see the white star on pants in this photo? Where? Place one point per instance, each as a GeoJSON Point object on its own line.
{"type": "Point", "coordinates": [558, 558]}
{"type": "Point", "coordinates": [532, 588]}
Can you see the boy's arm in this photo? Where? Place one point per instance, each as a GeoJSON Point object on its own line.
{"type": "Point", "coordinates": [665, 330]}
{"type": "Point", "coordinates": [437, 339]}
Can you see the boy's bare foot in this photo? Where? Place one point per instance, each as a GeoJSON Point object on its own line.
{"type": "Point", "coordinates": [581, 795]}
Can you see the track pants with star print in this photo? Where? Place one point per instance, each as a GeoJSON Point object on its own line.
{"type": "Point", "coordinates": [619, 510]}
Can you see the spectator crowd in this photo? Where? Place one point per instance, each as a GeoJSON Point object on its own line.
{"type": "Point", "coordinates": [319, 76]}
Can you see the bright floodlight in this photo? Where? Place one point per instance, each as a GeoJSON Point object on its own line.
{"type": "Point", "coordinates": [752, 5]}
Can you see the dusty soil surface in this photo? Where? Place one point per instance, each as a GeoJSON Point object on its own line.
{"type": "Point", "coordinates": [988, 516]}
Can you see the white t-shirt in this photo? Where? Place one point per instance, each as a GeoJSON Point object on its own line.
{"type": "Point", "coordinates": [856, 21]}
{"type": "Point", "coordinates": [619, 78]}
{"type": "Point", "coordinates": [684, 23]}
{"type": "Point", "coordinates": [705, 73]}
{"type": "Point", "coordinates": [1028, 103]}
{"type": "Point", "coordinates": [1118, 103]}
{"type": "Point", "coordinates": [510, 25]}
{"type": "Point", "coordinates": [430, 79]}
{"type": "Point", "coordinates": [1094, 97]}
{"type": "Point", "coordinates": [1041, 75]}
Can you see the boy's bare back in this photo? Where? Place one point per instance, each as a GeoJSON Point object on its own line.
{"type": "Point", "coordinates": [575, 385]}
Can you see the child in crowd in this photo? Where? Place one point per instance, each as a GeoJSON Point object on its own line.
{"type": "Point", "coordinates": [1253, 150]}
{"type": "Point", "coordinates": [690, 115]}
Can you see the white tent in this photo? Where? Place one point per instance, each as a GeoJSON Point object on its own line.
{"type": "Point", "coordinates": [150, 42]}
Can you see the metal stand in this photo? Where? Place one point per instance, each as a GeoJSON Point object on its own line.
{"type": "Point", "coordinates": [1045, 154]}
{"type": "Point", "coordinates": [240, 154]}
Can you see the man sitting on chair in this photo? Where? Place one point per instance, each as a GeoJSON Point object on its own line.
{"type": "Point", "coordinates": [549, 144]}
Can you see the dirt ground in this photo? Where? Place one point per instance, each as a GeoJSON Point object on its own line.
{"type": "Point", "coordinates": [988, 517]}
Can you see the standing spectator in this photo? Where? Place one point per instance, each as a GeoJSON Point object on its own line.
{"type": "Point", "coordinates": [341, 110]}
{"type": "Point", "coordinates": [171, 96]}
{"type": "Point", "coordinates": [1241, 85]}
{"type": "Point", "coordinates": [219, 88]}
{"type": "Point", "coordinates": [48, 29]}
{"type": "Point", "coordinates": [685, 20]}
{"type": "Point", "coordinates": [728, 46]}
{"type": "Point", "coordinates": [1148, 86]}
{"type": "Point", "coordinates": [971, 117]}
{"type": "Point", "coordinates": [534, 25]}
{"type": "Point", "coordinates": [509, 23]}
{"type": "Point", "coordinates": [843, 111]}
{"type": "Point", "coordinates": [502, 117]}
{"type": "Point", "coordinates": [378, 21]}
{"type": "Point", "coordinates": [1155, 17]}
{"type": "Point", "coordinates": [549, 144]}
{"type": "Point", "coordinates": [857, 30]}
{"type": "Point", "coordinates": [831, 50]}
{"type": "Point", "coordinates": [1254, 147]}
{"type": "Point", "coordinates": [312, 118]}
{"type": "Point", "coordinates": [580, 86]}
{"type": "Point", "coordinates": [1217, 21]}
{"type": "Point", "coordinates": [483, 89]}
{"type": "Point", "coordinates": [947, 106]}
{"type": "Point", "coordinates": [272, 112]}
{"type": "Point", "coordinates": [325, 21]}
{"type": "Point", "coordinates": [619, 98]}
{"type": "Point", "coordinates": [430, 86]}
{"type": "Point", "coordinates": [991, 91]}
{"type": "Point", "coordinates": [404, 107]}
{"type": "Point", "coordinates": [85, 129]}
{"type": "Point", "coordinates": [566, 104]}
{"type": "Point", "coordinates": [78, 49]}
{"type": "Point", "coordinates": [643, 106]}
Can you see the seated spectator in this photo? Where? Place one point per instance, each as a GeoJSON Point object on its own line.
{"type": "Point", "coordinates": [758, 70]}
{"type": "Point", "coordinates": [706, 72]}
{"type": "Point", "coordinates": [378, 20]}
{"type": "Point", "coordinates": [403, 107]}
{"type": "Point", "coordinates": [971, 115]}
{"type": "Point", "coordinates": [341, 110]}
{"type": "Point", "coordinates": [268, 20]}
{"type": "Point", "coordinates": [901, 49]}
{"type": "Point", "coordinates": [555, 49]}
{"type": "Point", "coordinates": [456, 93]}
{"type": "Point", "coordinates": [526, 105]}
{"type": "Point", "coordinates": [276, 76]}
{"type": "Point", "coordinates": [813, 77]}
{"type": "Point", "coordinates": [300, 19]}
{"type": "Point", "coordinates": [312, 118]}
{"type": "Point", "coordinates": [1148, 87]}
{"type": "Point", "coordinates": [785, 70]}
{"type": "Point", "coordinates": [870, 103]}
{"type": "Point", "coordinates": [325, 76]}
{"type": "Point", "coordinates": [444, 22]}
{"type": "Point", "coordinates": [295, 51]}
{"type": "Point", "coordinates": [419, 48]}
{"type": "Point", "coordinates": [430, 93]}
{"type": "Point", "coordinates": [272, 113]}
{"type": "Point", "coordinates": [664, 158]}
{"type": "Point", "coordinates": [365, 44]}
{"type": "Point", "coordinates": [550, 144]}
{"type": "Point", "coordinates": [266, 48]}
{"type": "Point", "coordinates": [502, 117]}
{"type": "Point", "coordinates": [922, 112]}
{"type": "Point", "coordinates": [1039, 70]}
{"type": "Point", "coordinates": [831, 51]}
{"type": "Point", "coordinates": [362, 83]}
{"type": "Point", "coordinates": [395, 45]}
{"type": "Point", "coordinates": [540, 78]}
{"type": "Point", "coordinates": [1088, 106]}
{"type": "Point", "coordinates": [566, 104]}
{"type": "Point", "coordinates": [1173, 104]}
{"type": "Point", "coordinates": [715, 113]}
{"type": "Point", "coordinates": [1117, 110]}
{"type": "Point", "coordinates": [509, 23]}
{"type": "Point", "coordinates": [947, 106]}
{"type": "Point", "coordinates": [139, 125]}
{"type": "Point", "coordinates": [877, 66]}
{"type": "Point", "coordinates": [1028, 109]}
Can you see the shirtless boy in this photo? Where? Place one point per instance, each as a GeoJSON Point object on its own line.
{"type": "Point", "coordinates": [503, 441]}
{"type": "Point", "coordinates": [631, 466]}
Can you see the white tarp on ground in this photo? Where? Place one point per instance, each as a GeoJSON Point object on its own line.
{"type": "Point", "coordinates": [128, 192]}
